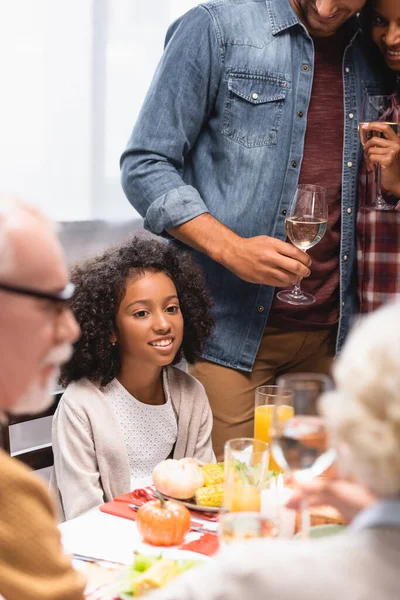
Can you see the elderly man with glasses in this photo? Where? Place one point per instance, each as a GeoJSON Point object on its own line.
{"type": "Point", "coordinates": [37, 331]}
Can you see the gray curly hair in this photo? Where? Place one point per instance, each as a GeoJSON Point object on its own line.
{"type": "Point", "coordinates": [363, 413]}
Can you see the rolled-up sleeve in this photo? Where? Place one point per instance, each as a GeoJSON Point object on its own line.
{"type": "Point", "coordinates": [178, 103]}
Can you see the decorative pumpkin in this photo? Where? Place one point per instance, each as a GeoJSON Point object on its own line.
{"type": "Point", "coordinates": [178, 478]}
{"type": "Point", "coordinates": [163, 523]}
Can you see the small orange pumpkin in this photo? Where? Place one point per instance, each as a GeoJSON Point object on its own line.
{"type": "Point", "coordinates": [163, 523]}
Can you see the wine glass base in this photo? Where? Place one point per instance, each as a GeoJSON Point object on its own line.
{"type": "Point", "coordinates": [301, 298]}
{"type": "Point", "coordinates": [381, 206]}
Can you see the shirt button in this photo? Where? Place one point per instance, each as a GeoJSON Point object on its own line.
{"type": "Point", "coordinates": [342, 303]}
{"type": "Point", "coordinates": [260, 308]}
{"type": "Point", "coordinates": [294, 164]}
{"type": "Point", "coordinates": [351, 116]}
{"type": "Point", "coordinates": [349, 211]}
{"type": "Point", "coordinates": [305, 67]}
{"type": "Point", "coordinates": [284, 212]}
{"type": "Point", "coordinates": [347, 69]}
{"type": "Point", "coordinates": [255, 96]}
{"type": "Point", "coordinates": [349, 164]}
{"type": "Point", "coordinates": [300, 114]}
{"type": "Point", "coordinates": [345, 257]}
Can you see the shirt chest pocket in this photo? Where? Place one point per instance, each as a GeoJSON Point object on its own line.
{"type": "Point", "coordinates": [253, 108]}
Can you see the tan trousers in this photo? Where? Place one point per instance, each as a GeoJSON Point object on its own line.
{"type": "Point", "coordinates": [231, 393]}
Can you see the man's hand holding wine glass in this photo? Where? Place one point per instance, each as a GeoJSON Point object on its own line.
{"type": "Point", "coordinates": [267, 260]}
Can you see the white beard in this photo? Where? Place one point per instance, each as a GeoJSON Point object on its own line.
{"type": "Point", "coordinates": [37, 399]}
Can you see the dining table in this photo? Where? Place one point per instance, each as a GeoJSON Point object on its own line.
{"type": "Point", "coordinates": [101, 544]}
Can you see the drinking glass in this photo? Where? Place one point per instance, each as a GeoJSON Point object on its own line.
{"type": "Point", "coordinates": [378, 108]}
{"type": "Point", "coordinates": [266, 397]}
{"type": "Point", "coordinates": [245, 526]}
{"type": "Point", "coordinates": [300, 444]}
{"type": "Point", "coordinates": [246, 473]}
{"type": "Point", "coordinates": [306, 224]}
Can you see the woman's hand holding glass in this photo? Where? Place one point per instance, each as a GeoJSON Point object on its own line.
{"type": "Point", "coordinates": [378, 129]}
{"type": "Point", "coordinates": [384, 151]}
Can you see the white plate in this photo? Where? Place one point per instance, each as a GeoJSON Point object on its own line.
{"type": "Point", "coordinates": [194, 506]}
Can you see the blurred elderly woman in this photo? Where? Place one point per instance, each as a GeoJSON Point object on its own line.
{"type": "Point", "coordinates": [363, 415]}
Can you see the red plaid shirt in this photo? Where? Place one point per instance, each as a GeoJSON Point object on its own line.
{"type": "Point", "coordinates": [378, 250]}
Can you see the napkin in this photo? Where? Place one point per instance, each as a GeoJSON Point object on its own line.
{"type": "Point", "coordinates": [119, 509]}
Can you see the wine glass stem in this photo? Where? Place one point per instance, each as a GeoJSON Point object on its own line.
{"type": "Point", "coordinates": [305, 519]}
{"type": "Point", "coordinates": [379, 196]}
{"type": "Point", "coordinates": [296, 291]}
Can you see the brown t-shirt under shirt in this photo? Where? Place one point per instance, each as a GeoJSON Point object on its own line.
{"type": "Point", "coordinates": [321, 165]}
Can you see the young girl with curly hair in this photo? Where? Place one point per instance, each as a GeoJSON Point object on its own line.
{"type": "Point", "coordinates": [141, 306]}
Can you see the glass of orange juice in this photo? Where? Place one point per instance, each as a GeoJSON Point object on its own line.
{"type": "Point", "coordinates": [268, 399]}
{"type": "Point", "coordinates": [246, 473]}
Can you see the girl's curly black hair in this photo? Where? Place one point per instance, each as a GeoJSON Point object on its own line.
{"type": "Point", "coordinates": [100, 286]}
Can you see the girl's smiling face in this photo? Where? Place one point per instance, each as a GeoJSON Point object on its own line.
{"type": "Point", "coordinates": [149, 321]}
{"type": "Point", "coordinates": [385, 30]}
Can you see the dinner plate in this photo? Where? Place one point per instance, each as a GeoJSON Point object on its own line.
{"type": "Point", "coordinates": [193, 506]}
{"type": "Point", "coordinates": [319, 531]}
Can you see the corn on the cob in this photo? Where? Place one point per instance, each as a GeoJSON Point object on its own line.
{"type": "Point", "coordinates": [156, 576]}
{"type": "Point", "coordinates": [213, 474]}
{"type": "Point", "coordinates": [212, 496]}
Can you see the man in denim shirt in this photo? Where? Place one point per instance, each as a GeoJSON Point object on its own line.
{"type": "Point", "coordinates": [231, 124]}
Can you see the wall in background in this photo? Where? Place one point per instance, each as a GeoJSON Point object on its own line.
{"type": "Point", "coordinates": [74, 75]}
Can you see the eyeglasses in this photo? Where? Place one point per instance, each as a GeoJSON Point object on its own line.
{"type": "Point", "coordinates": [62, 296]}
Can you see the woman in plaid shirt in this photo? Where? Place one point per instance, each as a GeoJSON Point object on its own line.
{"type": "Point", "coordinates": [378, 232]}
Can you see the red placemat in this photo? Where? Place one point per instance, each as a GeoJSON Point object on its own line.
{"type": "Point", "coordinates": [207, 544]}
{"type": "Point", "coordinates": [143, 495]}
{"type": "Point", "coordinates": [119, 509]}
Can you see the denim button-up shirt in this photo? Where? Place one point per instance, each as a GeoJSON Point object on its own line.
{"type": "Point", "coordinates": [220, 131]}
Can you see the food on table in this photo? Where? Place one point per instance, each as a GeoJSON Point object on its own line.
{"type": "Point", "coordinates": [150, 573]}
{"type": "Point", "coordinates": [213, 473]}
{"type": "Point", "coordinates": [156, 576]}
{"type": "Point", "coordinates": [178, 478]}
{"type": "Point", "coordinates": [163, 522]}
{"type": "Point", "coordinates": [326, 515]}
{"type": "Point", "coordinates": [143, 562]}
{"type": "Point", "coordinates": [211, 496]}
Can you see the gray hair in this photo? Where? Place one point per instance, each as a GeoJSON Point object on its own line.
{"type": "Point", "coordinates": [364, 411]}
{"type": "Point", "coordinates": [13, 212]}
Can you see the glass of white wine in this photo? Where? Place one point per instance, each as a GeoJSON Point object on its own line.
{"type": "Point", "coordinates": [306, 224]}
{"type": "Point", "coordinates": [300, 444]}
{"type": "Point", "coordinates": [383, 109]}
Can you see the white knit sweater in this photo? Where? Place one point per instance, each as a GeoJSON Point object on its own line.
{"type": "Point", "coordinates": [91, 464]}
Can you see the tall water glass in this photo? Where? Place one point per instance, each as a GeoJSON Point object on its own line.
{"type": "Point", "coordinates": [246, 473]}
{"type": "Point", "coordinates": [266, 402]}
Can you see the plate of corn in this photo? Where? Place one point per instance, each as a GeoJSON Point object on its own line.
{"type": "Point", "coordinates": [210, 497]}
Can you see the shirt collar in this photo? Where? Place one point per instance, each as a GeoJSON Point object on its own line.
{"type": "Point", "coordinates": [282, 16]}
{"type": "Point", "coordinates": [385, 513]}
